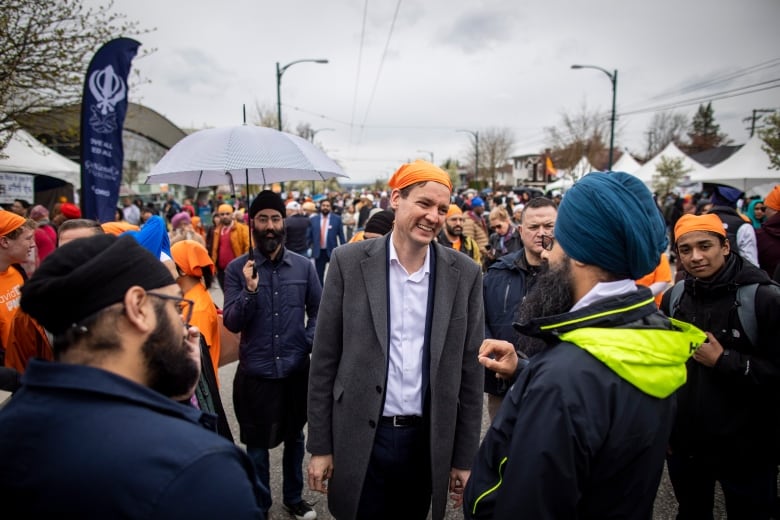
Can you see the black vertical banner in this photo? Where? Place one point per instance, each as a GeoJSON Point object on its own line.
{"type": "Point", "coordinates": [103, 109]}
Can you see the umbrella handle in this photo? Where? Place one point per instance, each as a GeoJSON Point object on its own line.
{"type": "Point", "coordinates": [254, 266]}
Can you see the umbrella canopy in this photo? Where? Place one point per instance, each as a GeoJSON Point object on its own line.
{"type": "Point", "coordinates": [242, 154]}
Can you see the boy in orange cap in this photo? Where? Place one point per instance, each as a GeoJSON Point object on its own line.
{"type": "Point", "coordinates": [16, 239]}
{"type": "Point", "coordinates": [725, 428]}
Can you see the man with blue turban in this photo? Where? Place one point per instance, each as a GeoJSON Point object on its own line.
{"type": "Point", "coordinates": [583, 431]}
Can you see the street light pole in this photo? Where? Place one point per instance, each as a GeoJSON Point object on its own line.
{"type": "Point", "coordinates": [476, 149]}
{"type": "Point", "coordinates": [279, 73]}
{"type": "Point", "coordinates": [429, 153]}
{"type": "Point", "coordinates": [613, 77]}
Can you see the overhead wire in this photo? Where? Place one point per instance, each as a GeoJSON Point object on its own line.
{"type": "Point", "coordinates": [357, 74]}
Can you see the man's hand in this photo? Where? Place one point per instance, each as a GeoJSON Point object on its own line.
{"type": "Point", "coordinates": [320, 470]}
{"type": "Point", "coordinates": [498, 356]}
{"type": "Point", "coordinates": [251, 282]}
{"type": "Point", "coordinates": [458, 479]}
{"type": "Point", "coordinates": [709, 352]}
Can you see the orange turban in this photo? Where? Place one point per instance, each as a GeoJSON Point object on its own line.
{"type": "Point", "coordinates": [10, 222]}
{"type": "Point", "coordinates": [225, 208]}
{"type": "Point", "coordinates": [454, 210]}
{"type": "Point", "coordinates": [773, 199]}
{"type": "Point", "coordinates": [418, 171]}
{"type": "Point", "coordinates": [709, 222]}
{"type": "Point", "coordinates": [191, 257]}
{"type": "Point", "coordinates": [117, 228]}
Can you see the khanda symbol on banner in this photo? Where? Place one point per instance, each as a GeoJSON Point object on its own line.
{"type": "Point", "coordinates": [108, 89]}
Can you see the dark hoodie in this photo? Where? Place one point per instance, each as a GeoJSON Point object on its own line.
{"type": "Point", "coordinates": [768, 242]}
{"type": "Point", "coordinates": [728, 413]}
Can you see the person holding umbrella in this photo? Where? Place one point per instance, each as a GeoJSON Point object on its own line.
{"type": "Point", "coordinates": [272, 297]}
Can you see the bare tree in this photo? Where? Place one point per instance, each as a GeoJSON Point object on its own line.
{"type": "Point", "coordinates": [665, 128]}
{"type": "Point", "coordinates": [582, 133]}
{"type": "Point", "coordinates": [45, 48]}
{"type": "Point", "coordinates": [265, 115]}
{"type": "Point", "coordinates": [495, 145]}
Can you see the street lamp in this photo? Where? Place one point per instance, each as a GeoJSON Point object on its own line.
{"type": "Point", "coordinates": [476, 148]}
{"type": "Point", "coordinates": [313, 132]}
{"type": "Point", "coordinates": [279, 72]}
{"type": "Point", "coordinates": [613, 78]}
{"type": "Point", "coordinates": [429, 153]}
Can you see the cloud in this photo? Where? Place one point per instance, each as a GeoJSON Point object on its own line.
{"type": "Point", "coordinates": [474, 31]}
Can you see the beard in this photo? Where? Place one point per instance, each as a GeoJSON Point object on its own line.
{"type": "Point", "coordinates": [269, 240]}
{"type": "Point", "coordinates": [171, 369]}
{"type": "Point", "coordinates": [455, 231]}
{"type": "Point", "coordinates": [226, 221]}
{"type": "Point", "coordinates": [551, 295]}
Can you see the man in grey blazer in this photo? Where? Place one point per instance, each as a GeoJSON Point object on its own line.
{"type": "Point", "coordinates": [395, 389]}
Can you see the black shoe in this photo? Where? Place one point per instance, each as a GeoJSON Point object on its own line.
{"type": "Point", "coordinates": [301, 511]}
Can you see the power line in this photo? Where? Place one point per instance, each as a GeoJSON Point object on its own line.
{"type": "Point", "coordinates": [381, 63]}
{"type": "Point", "coordinates": [357, 75]}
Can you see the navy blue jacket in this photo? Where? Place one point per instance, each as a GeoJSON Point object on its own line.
{"type": "Point", "coordinates": [274, 341]}
{"type": "Point", "coordinates": [334, 236]}
{"type": "Point", "coordinates": [81, 442]}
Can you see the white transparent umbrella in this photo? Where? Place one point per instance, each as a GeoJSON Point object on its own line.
{"type": "Point", "coordinates": [243, 154]}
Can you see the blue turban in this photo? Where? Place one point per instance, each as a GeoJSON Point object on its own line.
{"type": "Point", "coordinates": [726, 196]}
{"type": "Point", "coordinates": [476, 201]}
{"type": "Point", "coordinates": [153, 236]}
{"type": "Point", "coordinates": [610, 220]}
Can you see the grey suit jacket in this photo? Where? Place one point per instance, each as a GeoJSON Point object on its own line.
{"type": "Point", "coordinates": [349, 360]}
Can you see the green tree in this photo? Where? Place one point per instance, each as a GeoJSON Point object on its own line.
{"type": "Point", "coordinates": [670, 173]}
{"type": "Point", "coordinates": [770, 134]}
{"type": "Point", "coordinates": [45, 48]}
{"type": "Point", "coordinates": [705, 132]}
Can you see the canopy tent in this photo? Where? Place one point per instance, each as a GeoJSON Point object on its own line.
{"type": "Point", "coordinates": [627, 164]}
{"type": "Point", "coordinates": [562, 184]}
{"type": "Point", "coordinates": [649, 169]}
{"type": "Point", "coordinates": [748, 168]}
{"type": "Point", "coordinates": [25, 154]}
{"type": "Point", "coordinates": [582, 168]}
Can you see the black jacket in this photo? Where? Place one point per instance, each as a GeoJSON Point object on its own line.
{"type": "Point", "coordinates": [729, 412]}
{"type": "Point", "coordinates": [297, 231]}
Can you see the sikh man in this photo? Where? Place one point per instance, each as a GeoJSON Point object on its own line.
{"type": "Point", "coordinates": [395, 389]}
{"type": "Point", "coordinates": [272, 300]}
{"type": "Point", "coordinates": [98, 433]}
{"type": "Point", "coordinates": [583, 431]}
{"type": "Point", "coordinates": [452, 235]}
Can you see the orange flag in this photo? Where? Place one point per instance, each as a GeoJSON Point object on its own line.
{"type": "Point", "coordinates": [549, 167]}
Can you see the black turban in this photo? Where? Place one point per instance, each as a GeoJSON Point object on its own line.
{"type": "Point", "coordinates": [267, 199]}
{"type": "Point", "coordinates": [87, 275]}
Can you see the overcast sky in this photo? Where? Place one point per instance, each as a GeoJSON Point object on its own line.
{"type": "Point", "coordinates": [449, 65]}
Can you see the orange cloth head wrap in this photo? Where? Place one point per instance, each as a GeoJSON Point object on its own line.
{"type": "Point", "coordinates": [708, 222]}
{"type": "Point", "coordinates": [191, 257]}
{"type": "Point", "coordinates": [773, 199]}
{"type": "Point", "coordinates": [454, 210]}
{"type": "Point", "coordinates": [10, 222]}
{"type": "Point", "coordinates": [225, 208]}
{"type": "Point", "coordinates": [117, 228]}
{"type": "Point", "coordinates": [418, 171]}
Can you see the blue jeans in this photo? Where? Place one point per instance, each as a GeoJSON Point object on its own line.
{"type": "Point", "coordinates": [292, 471]}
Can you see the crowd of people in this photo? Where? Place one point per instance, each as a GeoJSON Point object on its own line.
{"type": "Point", "coordinates": [610, 332]}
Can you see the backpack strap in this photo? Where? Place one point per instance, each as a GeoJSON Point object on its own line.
{"type": "Point", "coordinates": [674, 298]}
{"type": "Point", "coordinates": [746, 310]}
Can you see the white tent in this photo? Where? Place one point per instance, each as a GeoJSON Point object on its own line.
{"type": "Point", "coordinates": [582, 168]}
{"type": "Point", "coordinates": [747, 168]}
{"type": "Point", "coordinates": [562, 184]}
{"type": "Point", "coordinates": [25, 154]}
{"type": "Point", "coordinates": [627, 164]}
{"type": "Point", "coordinates": [648, 170]}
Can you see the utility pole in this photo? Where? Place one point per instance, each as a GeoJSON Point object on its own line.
{"type": "Point", "coordinates": [755, 117]}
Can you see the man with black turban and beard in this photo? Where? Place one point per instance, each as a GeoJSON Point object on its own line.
{"type": "Point", "coordinates": [583, 431]}
{"type": "Point", "coordinates": [98, 433]}
{"type": "Point", "coordinates": [272, 298]}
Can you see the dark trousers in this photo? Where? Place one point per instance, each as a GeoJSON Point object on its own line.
{"type": "Point", "coordinates": [749, 491]}
{"type": "Point", "coordinates": [292, 471]}
{"type": "Point", "coordinates": [320, 262]}
{"type": "Point", "coordinates": [398, 481]}
{"type": "Point", "coordinates": [221, 278]}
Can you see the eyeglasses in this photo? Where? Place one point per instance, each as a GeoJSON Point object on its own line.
{"type": "Point", "coordinates": [185, 306]}
{"type": "Point", "coordinates": [547, 242]}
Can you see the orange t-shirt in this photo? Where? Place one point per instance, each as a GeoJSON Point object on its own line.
{"type": "Point", "coordinates": [10, 282]}
{"type": "Point", "coordinates": [662, 273]}
{"type": "Point", "coordinates": [204, 316]}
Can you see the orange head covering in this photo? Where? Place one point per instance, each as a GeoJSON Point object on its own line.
{"type": "Point", "coordinates": [709, 222]}
{"type": "Point", "coordinates": [117, 228]}
{"type": "Point", "coordinates": [191, 257]}
{"type": "Point", "coordinates": [196, 222]}
{"type": "Point", "coordinates": [418, 171]}
{"type": "Point", "coordinates": [773, 199]}
{"type": "Point", "coordinates": [454, 210]}
{"type": "Point", "coordinates": [225, 208]}
{"type": "Point", "coordinates": [10, 221]}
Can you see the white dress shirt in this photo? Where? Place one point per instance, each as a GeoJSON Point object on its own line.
{"type": "Point", "coordinates": [408, 307]}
